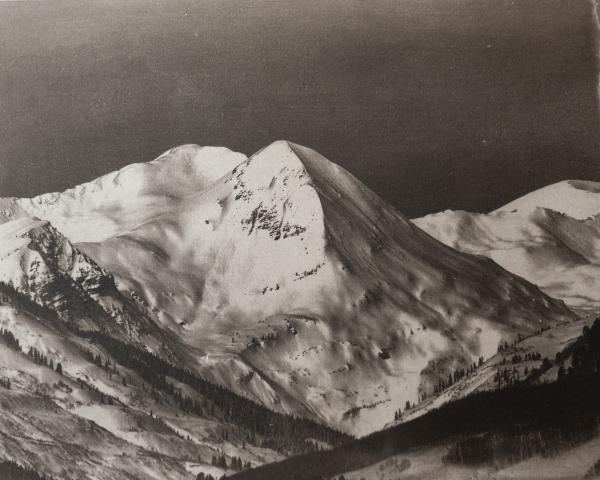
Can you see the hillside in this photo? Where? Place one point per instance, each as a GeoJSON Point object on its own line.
{"type": "Point", "coordinates": [513, 363]}
{"type": "Point", "coordinates": [579, 199]}
{"type": "Point", "coordinates": [526, 429]}
{"type": "Point", "coordinates": [550, 237]}
{"type": "Point", "coordinates": [80, 404]}
{"type": "Point", "coordinates": [37, 260]}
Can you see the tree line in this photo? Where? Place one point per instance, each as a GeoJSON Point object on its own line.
{"type": "Point", "coordinates": [11, 470]}
{"type": "Point", "coordinates": [9, 295]}
{"type": "Point", "coordinates": [36, 356]}
{"type": "Point", "coordinates": [286, 434]}
{"type": "Point", "coordinates": [235, 463]}
{"type": "Point", "coordinates": [584, 352]}
{"type": "Point", "coordinates": [441, 385]}
{"type": "Point", "coordinates": [563, 413]}
{"type": "Point", "coordinates": [10, 340]}
{"type": "Point", "coordinates": [456, 375]}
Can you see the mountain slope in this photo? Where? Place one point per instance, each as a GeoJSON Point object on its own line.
{"type": "Point", "coordinates": [532, 409]}
{"type": "Point", "coordinates": [98, 421]}
{"type": "Point", "coordinates": [290, 281]}
{"type": "Point", "coordinates": [39, 261]}
{"type": "Point", "coordinates": [578, 199]}
{"type": "Point", "coordinates": [550, 237]}
{"type": "Point", "coordinates": [118, 201]}
{"type": "Point", "coordinates": [540, 431]}
{"type": "Point", "coordinates": [71, 398]}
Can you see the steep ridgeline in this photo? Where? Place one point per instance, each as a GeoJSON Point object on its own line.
{"type": "Point", "coordinates": [118, 201]}
{"type": "Point", "coordinates": [36, 259]}
{"type": "Point", "coordinates": [292, 282]}
{"type": "Point", "coordinates": [550, 237]}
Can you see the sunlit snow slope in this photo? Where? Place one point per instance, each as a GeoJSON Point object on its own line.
{"type": "Point", "coordinates": [284, 267]}
{"type": "Point", "coordinates": [578, 199]}
{"type": "Point", "coordinates": [550, 237]}
{"type": "Point", "coordinates": [39, 261]}
{"type": "Point", "coordinates": [99, 422]}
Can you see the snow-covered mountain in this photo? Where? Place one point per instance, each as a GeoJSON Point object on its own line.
{"type": "Point", "coordinates": [578, 199]}
{"type": "Point", "coordinates": [40, 262]}
{"type": "Point", "coordinates": [117, 202]}
{"type": "Point", "coordinates": [290, 281]}
{"type": "Point", "coordinates": [102, 416]}
{"type": "Point", "coordinates": [550, 237]}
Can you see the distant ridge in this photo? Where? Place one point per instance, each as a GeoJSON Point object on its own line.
{"type": "Point", "coordinates": [550, 237]}
{"type": "Point", "coordinates": [578, 199]}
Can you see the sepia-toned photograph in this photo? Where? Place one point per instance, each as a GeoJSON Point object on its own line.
{"type": "Point", "coordinates": [299, 239]}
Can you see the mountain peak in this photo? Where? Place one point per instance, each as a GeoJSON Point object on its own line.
{"type": "Point", "coordinates": [283, 154]}
{"type": "Point", "coordinates": [112, 203]}
{"type": "Point", "coordinates": [277, 156]}
{"type": "Point", "coordinates": [202, 163]}
{"type": "Point", "coordinates": [553, 229]}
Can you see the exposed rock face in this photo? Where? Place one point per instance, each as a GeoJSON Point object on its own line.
{"type": "Point", "coordinates": [39, 261]}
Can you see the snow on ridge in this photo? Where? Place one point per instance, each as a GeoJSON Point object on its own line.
{"type": "Point", "coordinates": [579, 199]}
{"type": "Point", "coordinates": [115, 202]}
{"type": "Point", "coordinates": [194, 159]}
{"type": "Point", "coordinates": [551, 230]}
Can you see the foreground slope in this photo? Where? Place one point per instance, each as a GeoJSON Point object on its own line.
{"type": "Point", "coordinates": [550, 237]}
{"type": "Point", "coordinates": [84, 405]}
{"type": "Point", "coordinates": [540, 425]}
{"type": "Point", "coordinates": [95, 422]}
{"type": "Point", "coordinates": [513, 363]}
{"type": "Point", "coordinates": [291, 281]}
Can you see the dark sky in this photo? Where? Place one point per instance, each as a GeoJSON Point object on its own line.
{"type": "Point", "coordinates": [434, 104]}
